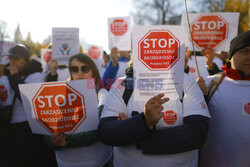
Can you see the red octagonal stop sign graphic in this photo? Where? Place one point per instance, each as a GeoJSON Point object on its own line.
{"type": "Point", "coordinates": [59, 108]}
{"type": "Point", "coordinates": [170, 117]}
{"type": "Point", "coordinates": [119, 27]}
{"type": "Point", "coordinates": [159, 50]}
{"type": "Point", "coordinates": [94, 52]}
{"type": "Point", "coordinates": [209, 31]}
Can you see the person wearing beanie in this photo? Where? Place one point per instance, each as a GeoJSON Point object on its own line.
{"type": "Point", "coordinates": [24, 147]}
{"type": "Point", "coordinates": [228, 139]}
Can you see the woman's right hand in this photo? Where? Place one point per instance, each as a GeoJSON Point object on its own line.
{"type": "Point", "coordinates": [59, 139]}
{"type": "Point", "coordinates": [53, 65]}
{"type": "Point", "coordinates": [153, 109]}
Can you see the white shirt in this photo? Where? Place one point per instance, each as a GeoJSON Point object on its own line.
{"type": "Point", "coordinates": [19, 114]}
{"type": "Point", "coordinates": [129, 156]}
{"type": "Point", "coordinates": [122, 67]}
{"type": "Point", "coordinates": [96, 155]}
{"type": "Point", "coordinates": [228, 140]}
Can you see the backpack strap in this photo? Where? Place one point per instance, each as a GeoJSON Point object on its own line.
{"type": "Point", "coordinates": [213, 85]}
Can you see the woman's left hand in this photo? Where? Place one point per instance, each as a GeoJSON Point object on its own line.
{"type": "Point", "coordinates": [59, 139]}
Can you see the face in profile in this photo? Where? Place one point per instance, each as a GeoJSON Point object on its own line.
{"type": "Point", "coordinates": [241, 60]}
{"type": "Point", "coordinates": [19, 63]}
{"type": "Point", "coordinates": [80, 70]}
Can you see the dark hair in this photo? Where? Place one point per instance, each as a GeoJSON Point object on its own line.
{"type": "Point", "coordinates": [87, 60]}
{"type": "Point", "coordinates": [106, 55]}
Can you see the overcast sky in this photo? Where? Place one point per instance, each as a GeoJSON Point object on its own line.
{"type": "Point", "coordinates": [39, 16]}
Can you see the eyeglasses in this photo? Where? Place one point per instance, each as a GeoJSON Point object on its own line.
{"type": "Point", "coordinates": [75, 69]}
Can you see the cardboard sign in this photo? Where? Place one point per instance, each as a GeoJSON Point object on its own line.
{"type": "Point", "coordinates": [213, 30]}
{"type": "Point", "coordinates": [119, 33]}
{"type": "Point", "coordinates": [158, 61]}
{"type": "Point", "coordinates": [60, 107]}
{"type": "Point", "coordinates": [65, 42]}
{"type": "Point", "coordinates": [46, 56]}
{"type": "Point", "coordinates": [4, 50]}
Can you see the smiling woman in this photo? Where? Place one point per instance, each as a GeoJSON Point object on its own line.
{"type": "Point", "coordinates": [84, 148]}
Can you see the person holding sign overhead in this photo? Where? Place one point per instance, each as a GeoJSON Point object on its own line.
{"type": "Point", "coordinates": [116, 68]}
{"type": "Point", "coordinates": [85, 148]}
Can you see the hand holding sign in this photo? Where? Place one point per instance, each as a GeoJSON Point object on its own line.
{"type": "Point", "coordinates": [59, 139]}
{"type": "Point", "coordinates": [153, 108]}
{"type": "Point", "coordinates": [210, 55]}
{"type": "Point", "coordinates": [53, 65]}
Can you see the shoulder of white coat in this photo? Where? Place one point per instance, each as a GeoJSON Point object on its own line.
{"type": "Point", "coordinates": [36, 77]}
{"type": "Point", "coordinates": [190, 85]}
{"type": "Point", "coordinates": [3, 77]}
{"type": "Point", "coordinates": [188, 79]}
{"type": "Point", "coordinates": [114, 104]}
{"type": "Point", "coordinates": [117, 85]}
{"type": "Point", "coordinates": [194, 103]}
{"type": "Point", "coordinates": [102, 96]}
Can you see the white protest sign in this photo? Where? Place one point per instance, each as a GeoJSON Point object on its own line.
{"type": "Point", "coordinates": [214, 30]}
{"type": "Point", "coordinates": [65, 43]}
{"type": "Point", "coordinates": [201, 61]}
{"type": "Point", "coordinates": [69, 107]}
{"type": "Point", "coordinates": [158, 61]}
{"type": "Point", "coordinates": [4, 50]}
{"type": "Point", "coordinates": [119, 33]}
{"type": "Point", "coordinates": [95, 51]}
{"type": "Point", "coordinates": [46, 56]}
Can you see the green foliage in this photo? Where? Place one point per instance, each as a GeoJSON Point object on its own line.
{"type": "Point", "coordinates": [240, 6]}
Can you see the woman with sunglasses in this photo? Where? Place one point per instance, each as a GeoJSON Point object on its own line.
{"type": "Point", "coordinates": [82, 149]}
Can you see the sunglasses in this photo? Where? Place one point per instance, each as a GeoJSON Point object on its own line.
{"type": "Point", "coordinates": [75, 69]}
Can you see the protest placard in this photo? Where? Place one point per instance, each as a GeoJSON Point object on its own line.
{"type": "Point", "coordinates": [4, 50]}
{"type": "Point", "coordinates": [95, 51]}
{"type": "Point", "coordinates": [119, 33]}
{"type": "Point", "coordinates": [158, 61]}
{"type": "Point", "coordinates": [67, 107]}
{"type": "Point", "coordinates": [65, 43]}
{"type": "Point", "coordinates": [213, 30]}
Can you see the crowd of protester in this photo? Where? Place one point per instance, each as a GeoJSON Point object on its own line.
{"type": "Point", "coordinates": [213, 132]}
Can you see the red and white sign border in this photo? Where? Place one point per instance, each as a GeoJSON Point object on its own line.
{"type": "Point", "coordinates": [158, 69]}
{"type": "Point", "coordinates": [73, 90]}
{"type": "Point", "coordinates": [212, 14]}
